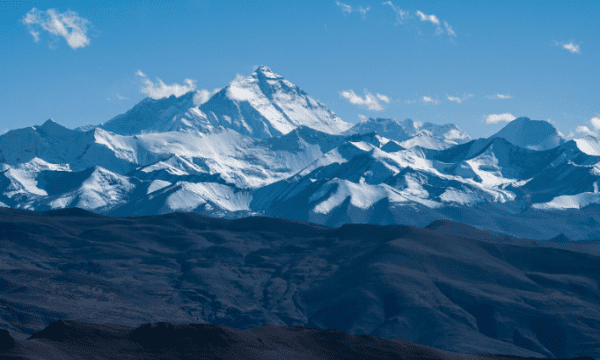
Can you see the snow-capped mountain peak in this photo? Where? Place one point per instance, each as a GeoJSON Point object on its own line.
{"type": "Point", "coordinates": [261, 105]}
{"type": "Point", "coordinates": [266, 72]}
{"type": "Point", "coordinates": [531, 134]}
{"type": "Point", "coordinates": [51, 127]}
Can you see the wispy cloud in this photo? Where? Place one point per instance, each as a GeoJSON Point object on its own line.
{"type": "Point", "coordinates": [499, 96]}
{"type": "Point", "coordinates": [449, 29]}
{"type": "Point", "coordinates": [438, 24]}
{"type": "Point", "coordinates": [400, 14]}
{"type": "Point", "coordinates": [383, 98]}
{"type": "Point", "coordinates": [428, 100]}
{"type": "Point", "coordinates": [347, 9]}
{"type": "Point", "coordinates": [369, 101]}
{"type": "Point", "coordinates": [161, 90]}
{"type": "Point", "coordinates": [459, 100]}
{"type": "Point", "coordinates": [121, 97]}
{"type": "Point", "coordinates": [68, 25]}
{"type": "Point", "coordinates": [497, 118]}
{"type": "Point", "coordinates": [593, 128]}
{"type": "Point", "coordinates": [430, 18]}
{"type": "Point", "coordinates": [570, 46]}
{"type": "Point", "coordinates": [203, 95]}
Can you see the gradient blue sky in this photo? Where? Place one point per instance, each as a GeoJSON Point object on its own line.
{"type": "Point", "coordinates": [534, 59]}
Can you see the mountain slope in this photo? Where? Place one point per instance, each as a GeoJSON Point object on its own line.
{"type": "Point", "coordinates": [589, 145]}
{"type": "Point", "coordinates": [361, 182]}
{"type": "Point", "coordinates": [56, 144]}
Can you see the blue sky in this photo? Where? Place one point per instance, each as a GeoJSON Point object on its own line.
{"type": "Point", "coordinates": [534, 59]}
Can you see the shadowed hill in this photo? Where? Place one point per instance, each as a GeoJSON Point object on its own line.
{"type": "Point", "coordinates": [452, 288]}
{"type": "Point", "coordinates": [74, 340]}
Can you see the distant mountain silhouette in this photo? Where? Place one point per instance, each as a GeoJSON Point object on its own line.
{"type": "Point", "coordinates": [561, 238]}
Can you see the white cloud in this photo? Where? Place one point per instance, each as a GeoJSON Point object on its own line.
{"type": "Point", "coordinates": [427, 99]}
{"type": "Point", "coordinates": [203, 95]}
{"type": "Point", "coordinates": [595, 122]}
{"type": "Point", "coordinates": [383, 98]}
{"type": "Point", "coordinates": [35, 34]}
{"type": "Point", "coordinates": [400, 14]}
{"type": "Point", "coordinates": [347, 9]}
{"type": "Point", "coordinates": [438, 24]}
{"type": "Point", "coordinates": [449, 29]}
{"type": "Point", "coordinates": [459, 100]}
{"type": "Point", "coordinates": [584, 130]}
{"type": "Point", "coordinates": [162, 90]}
{"type": "Point", "coordinates": [121, 97]}
{"type": "Point", "coordinates": [431, 18]}
{"type": "Point", "coordinates": [496, 118]}
{"type": "Point", "coordinates": [499, 96]}
{"type": "Point", "coordinates": [592, 129]}
{"type": "Point", "coordinates": [68, 25]}
{"type": "Point", "coordinates": [571, 47]}
{"type": "Point", "coordinates": [362, 118]}
{"type": "Point", "coordinates": [370, 101]}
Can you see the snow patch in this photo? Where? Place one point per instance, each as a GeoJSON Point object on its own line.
{"type": "Point", "coordinates": [191, 195]}
{"type": "Point", "coordinates": [157, 185]}
{"type": "Point", "coordinates": [564, 202]}
{"type": "Point", "coordinates": [460, 197]}
{"type": "Point", "coordinates": [588, 145]}
{"type": "Point", "coordinates": [361, 195]}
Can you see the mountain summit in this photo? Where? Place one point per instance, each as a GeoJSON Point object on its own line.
{"type": "Point", "coordinates": [261, 105]}
{"type": "Point", "coordinates": [531, 134]}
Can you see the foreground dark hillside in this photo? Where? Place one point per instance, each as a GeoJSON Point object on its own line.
{"type": "Point", "coordinates": [453, 288]}
{"type": "Point", "coordinates": [74, 340]}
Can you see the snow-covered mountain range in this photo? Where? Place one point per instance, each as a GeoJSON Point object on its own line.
{"type": "Point", "coordinates": [262, 146]}
{"type": "Point", "coordinates": [413, 133]}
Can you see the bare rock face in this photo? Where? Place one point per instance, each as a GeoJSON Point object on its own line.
{"type": "Point", "coordinates": [6, 341]}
